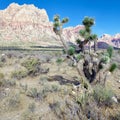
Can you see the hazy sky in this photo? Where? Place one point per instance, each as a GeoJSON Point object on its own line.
{"type": "Point", "coordinates": [105, 12]}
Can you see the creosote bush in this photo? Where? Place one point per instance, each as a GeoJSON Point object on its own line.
{"type": "Point", "coordinates": [13, 101]}
{"type": "Point", "coordinates": [71, 51]}
{"type": "Point", "coordinates": [7, 83]}
{"type": "Point", "coordinates": [59, 61]}
{"type": "Point", "coordinates": [31, 107]}
{"type": "Point", "coordinates": [113, 67]}
{"type": "Point", "coordinates": [19, 74]}
{"type": "Point", "coordinates": [103, 96]}
{"type": "Point", "coordinates": [32, 92]}
{"type": "Point", "coordinates": [32, 65]}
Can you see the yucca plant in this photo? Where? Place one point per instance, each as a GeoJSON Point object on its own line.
{"type": "Point", "coordinates": [87, 35]}
{"type": "Point", "coordinates": [113, 67]}
{"type": "Point", "coordinates": [110, 51]}
{"type": "Point", "coordinates": [58, 28]}
{"type": "Point", "coordinates": [71, 51]}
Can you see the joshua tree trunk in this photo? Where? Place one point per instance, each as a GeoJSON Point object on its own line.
{"type": "Point", "coordinates": [95, 45]}
{"type": "Point", "coordinates": [64, 45]}
{"type": "Point", "coordinates": [89, 47]}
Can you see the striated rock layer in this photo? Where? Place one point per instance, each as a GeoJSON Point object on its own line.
{"type": "Point", "coordinates": [28, 23]}
{"type": "Point", "coordinates": [107, 40]}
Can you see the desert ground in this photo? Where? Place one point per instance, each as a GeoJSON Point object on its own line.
{"type": "Point", "coordinates": [40, 85]}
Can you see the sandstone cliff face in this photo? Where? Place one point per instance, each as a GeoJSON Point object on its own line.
{"type": "Point", "coordinates": [106, 40]}
{"type": "Point", "coordinates": [28, 23]}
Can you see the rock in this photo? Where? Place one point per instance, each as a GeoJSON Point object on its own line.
{"type": "Point", "coordinates": [107, 40]}
{"type": "Point", "coordinates": [118, 81]}
{"type": "Point", "coordinates": [114, 99]}
{"type": "Point", "coordinates": [29, 23]}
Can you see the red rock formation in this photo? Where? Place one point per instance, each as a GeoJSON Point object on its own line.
{"type": "Point", "coordinates": [110, 40]}
{"type": "Point", "coordinates": [28, 23]}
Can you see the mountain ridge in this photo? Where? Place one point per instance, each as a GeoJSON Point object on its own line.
{"type": "Point", "coordinates": [29, 23]}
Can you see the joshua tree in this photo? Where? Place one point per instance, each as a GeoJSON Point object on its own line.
{"type": "Point", "coordinates": [92, 64]}
{"type": "Point", "coordinates": [58, 29]}
{"type": "Point", "coordinates": [95, 42]}
{"type": "Point", "coordinates": [86, 34]}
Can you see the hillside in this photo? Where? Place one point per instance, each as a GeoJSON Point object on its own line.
{"type": "Point", "coordinates": [27, 23]}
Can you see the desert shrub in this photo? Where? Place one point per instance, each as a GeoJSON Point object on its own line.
{"type": "Point", "coordinates": [107, 55]}
{"type": "Point", "coordinates": [43, 80]}
{"type": "Point", "coordinates": [59, 61]}
{"type": "Point", "coordinates": [103, 96]}
{"type": "Point", "coordinates": [31, 107]}
{"type": "Point", "coordinates": [32, 65]}
{"type": "Point", "coordinates": [78, 57]}
{"type": "Point", "coordinates": [39, 94]}
{"type": "Point", "coordinates": [32, 92]}
{"type": "Point", "coordinates": [119, 51]}
{"type": "Point", "coordinates": [55, 88]}
{"type": "Point", "coordinates": [28, 116]}
{"type": "Point", "coordinates": [82, 99]}
{"type": "Point", "coordinates": [19, 74]}
{"type": "Point", "coordinates": [1, 76]}
{"type": "Point", "coordinates": [8, 83]}
{"type": "Point", "coordinates": [105, 59]}
{"type": "Point", "coordinates": [113, 67]}
{"type": "Point", "coordinates": [110, 51]}
{"type": "Point", "coordinates": [13, 101]}
{"type": "Point", "coordinates": [3, 59]}
{"type": "Point", "coordinates": [24, 87]}
{"type": "Point", "coordinates": [71, 51]}
{"type": "Point", "coordinates": [115, 117]}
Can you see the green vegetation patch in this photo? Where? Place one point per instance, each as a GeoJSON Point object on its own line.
{"type": "Point", "coordinates": [103, 96]}
{"type": "Point", "coordinates": [19, 74]}
{"type": "Point", "coordinates": [32, 65]}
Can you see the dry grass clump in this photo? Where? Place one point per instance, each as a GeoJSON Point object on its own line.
{"type": "Point", "coordinates": [103, 96]}
{"type": "Point", "coordinates": [32, 65]}
{"type": "Point", "coordinates": [11, 102]}
{"type": "Point", "coordinates": [19, 74]}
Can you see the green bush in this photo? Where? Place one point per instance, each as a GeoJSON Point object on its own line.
{"type": "Point", "coordinates": [32, 65]}
{"type": "Point", "coordinates": [82, 99]}
{"type": "Point", "coordinates": [113, 67]}
{"type": "Point", "coordinates": [71, 51]}
{"type": "Point", "coordinates": [13, 101]}
{"type": "Point", "coordinates": [59, 61]}
{"type": "Point", "coordinates": [32, 92]}
{"type": "Point", "coordinates": [7, 83]}
{"type": "Point", "coordinates": [19, 74]}
{"type": "Point", "coordinates": [105, 59]}
{"type": "Point", "coordinates": [103, 96]}
{"type": "Point", "coordinates": [110, 51]}
{"type": "Point", "coordinates": [31, 107]}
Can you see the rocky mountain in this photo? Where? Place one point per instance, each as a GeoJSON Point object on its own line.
{"type": "Point", "coordinates": [28, 23]}
{"type": "Point", "coordinates": [105, 40]}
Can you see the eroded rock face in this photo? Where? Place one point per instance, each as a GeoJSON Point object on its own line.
{"type": "Point", "coordinates": [107, 40]}
{"type": "Point", "coordinates": [28, 23]}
